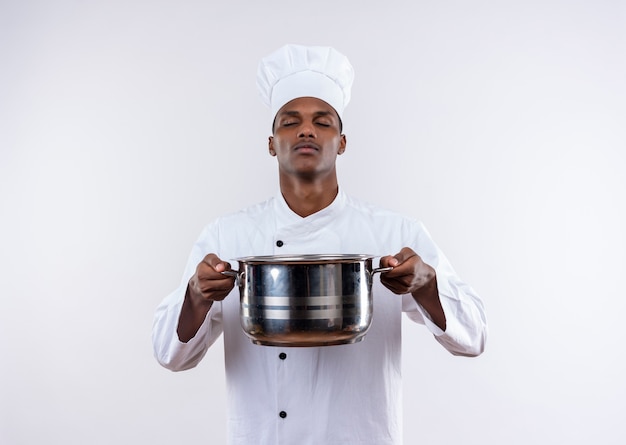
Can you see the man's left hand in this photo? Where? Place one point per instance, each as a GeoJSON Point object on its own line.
{"type": "Point", "coordinates": [409, 273]}
{"type": "Point", "coordinates": [412, 275]}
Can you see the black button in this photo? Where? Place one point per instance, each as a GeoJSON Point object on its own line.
{"type": "Point", "coordinates": [282, 414]}
{"type": "Point", "coordinates": [279, 243]}
{"type": "Point", "coordinates": [282, 356]}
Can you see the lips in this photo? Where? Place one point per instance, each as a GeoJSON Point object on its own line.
{"type": "Point", "coordinates": [306, 146]}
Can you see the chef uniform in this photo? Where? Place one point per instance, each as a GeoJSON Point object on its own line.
{"type": "Point", "coordinates": [334, 395]}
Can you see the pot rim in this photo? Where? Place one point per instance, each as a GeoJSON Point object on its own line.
{"type": "Point", "coordinates": [305, 259]}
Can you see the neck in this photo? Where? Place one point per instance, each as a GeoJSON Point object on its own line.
{"type": "Point", "coordinates": [309, 197]}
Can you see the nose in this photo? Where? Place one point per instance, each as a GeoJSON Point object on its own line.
{"type": "Point", "coordinates": [307, 130]}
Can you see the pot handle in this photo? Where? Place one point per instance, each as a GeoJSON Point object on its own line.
{"type": "Point", "coordinates": [239, 277]}
{"type": "Point", "coordinates": [378, 269]}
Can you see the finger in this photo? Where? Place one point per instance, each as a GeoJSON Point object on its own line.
{"type": "Point", "coordinates": [216, 287]}
{"type": "Point", "coordinates": [394, 286]}
{"type": "Point", "coordinates": [206, 279]}
{"type": "Point", "coordinates": [400, 271]}
{"type": "Point", "coordinates": [216, 263]}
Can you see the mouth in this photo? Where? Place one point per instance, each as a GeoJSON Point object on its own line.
{"type": "Point", "coordinates": [306, 147]}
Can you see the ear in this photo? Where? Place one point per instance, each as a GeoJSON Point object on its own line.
{"type": "Point", "coordinates": [270, 146]}
{"type": "Point", "coordinates": [342, 144]}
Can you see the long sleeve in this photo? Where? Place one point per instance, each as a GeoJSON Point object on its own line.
{"type": "Point", "coordinates": [169, 351]}
{"type": "Point", "coordinates": [466, 324]}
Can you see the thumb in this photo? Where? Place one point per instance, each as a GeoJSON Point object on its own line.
{"type": "Point", "coordinates": [389, 260]}
{"type": "Point", "coordinates": [216, 263]}
{"type": "Point", "coordinates": [400, 257]}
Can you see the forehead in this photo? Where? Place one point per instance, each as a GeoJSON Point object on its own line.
{"type": "Point", "coordinates": [306, 105]}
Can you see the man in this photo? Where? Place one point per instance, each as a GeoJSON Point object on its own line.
{"type": "Point", "coordinates": [335, 395]}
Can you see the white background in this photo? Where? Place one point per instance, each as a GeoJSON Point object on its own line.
{"type": "Point", "coordinates": [126, 126]}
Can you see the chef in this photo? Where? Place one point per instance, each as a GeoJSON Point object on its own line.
{"type": "Point", "coordinates": [333, 395]}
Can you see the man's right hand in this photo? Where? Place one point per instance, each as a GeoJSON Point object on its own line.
{"type": "Point", "coordinates": [208, 283]}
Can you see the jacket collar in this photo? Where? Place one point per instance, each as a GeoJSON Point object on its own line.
{"type": "Point", "coordinates": [286, 217]}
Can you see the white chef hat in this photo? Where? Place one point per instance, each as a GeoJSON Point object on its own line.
{"type": "Point", "coordinates": [305, 71]}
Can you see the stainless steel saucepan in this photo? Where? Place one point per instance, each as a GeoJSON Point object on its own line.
{"type": "Point", "coordinates": [306, 300]}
